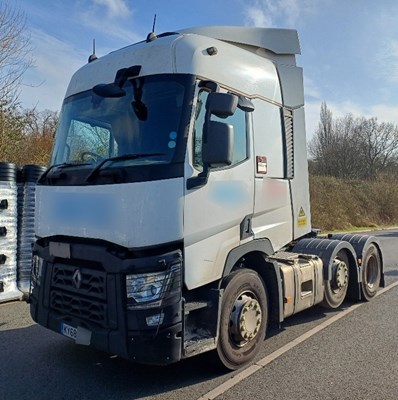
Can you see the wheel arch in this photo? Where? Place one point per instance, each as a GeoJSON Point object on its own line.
{"type": "Point", "coordinates": [361, 244]}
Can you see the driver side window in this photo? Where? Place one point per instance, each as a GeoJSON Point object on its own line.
{"type": "Point", "coordinates": [238, 121]}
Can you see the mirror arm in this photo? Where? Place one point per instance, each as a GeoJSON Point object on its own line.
{"type": "Point", "coordinates": [200, 180]}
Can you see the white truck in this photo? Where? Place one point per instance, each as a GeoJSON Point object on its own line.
{"type": "Point", "coordinates": [174, 217]}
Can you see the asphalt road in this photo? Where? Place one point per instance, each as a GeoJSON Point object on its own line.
{"type": "Point", "coordinates": [355, 357]}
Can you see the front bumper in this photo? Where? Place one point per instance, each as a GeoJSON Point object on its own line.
{"type": "Point", "coordinates": [156, 346]}
{"type": "Point", "coordinates": [99, 305]}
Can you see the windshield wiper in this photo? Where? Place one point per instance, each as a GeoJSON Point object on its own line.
{"type": "Point", "coordinates": [124, 157]}
{"type": "Point", "coordinates": [62, 165]}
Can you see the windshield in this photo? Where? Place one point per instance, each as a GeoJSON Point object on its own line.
{"type": "Point", "coordinates": [146, 127]}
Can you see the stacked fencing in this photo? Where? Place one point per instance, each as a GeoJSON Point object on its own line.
{"type": "Point", "coordinates": [8, 232]}
{"type": "Point", "coordinates": [17, 207]}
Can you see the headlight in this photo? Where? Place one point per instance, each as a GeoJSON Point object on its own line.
{"type": "Point", "coordinates": [150, 290]}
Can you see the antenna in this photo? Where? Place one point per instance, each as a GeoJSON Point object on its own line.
{"type": "Point", "coordinates": [92, 57]}
{"type": "Point", "coordinates": [152, 35]}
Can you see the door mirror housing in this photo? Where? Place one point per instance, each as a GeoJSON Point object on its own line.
{"type": "Point", "coordinates": [218, 149]}
{"type": "Point", "coordinates": [221, 105]}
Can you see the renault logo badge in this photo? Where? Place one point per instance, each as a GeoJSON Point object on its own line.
{"type": "Point", "coordinates": [77, 279]}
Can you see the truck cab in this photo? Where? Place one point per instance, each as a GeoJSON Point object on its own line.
{"type": "Point", "coordinates": [177, 182]}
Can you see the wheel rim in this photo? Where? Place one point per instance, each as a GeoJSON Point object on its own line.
{"type": "Point", "coordinates": [340, 275]}
{"type": "Point", "coordinates": [245, 319]}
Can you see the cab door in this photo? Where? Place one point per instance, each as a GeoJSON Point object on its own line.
{"type": "Point", "coordinates": [215, 212]}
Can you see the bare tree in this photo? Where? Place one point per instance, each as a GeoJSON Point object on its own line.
{"type": "Point", "coordinates": [379, 146]}
{"type": "Point", "coordinates": [15, 49]}
{"type": "Point", "coordinates": [323, 145]}
{"type": "Point", "coordinates": [38, 130]}
{"type": "Point", "coordinates": [29, 137]}
{"type": "Point", "coordinates": [40, 123]}
{"type": "Point", "coordinates": [11, 132]}
{"type": "Point", "coordinates": [353, 148]}
{"type": "Point", "coordinates": [346, 161]}
{"type": "Point", "coordinates": [14, 61]}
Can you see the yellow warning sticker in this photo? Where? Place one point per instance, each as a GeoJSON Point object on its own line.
{"type": "Point", "coordinates": [302, 218]}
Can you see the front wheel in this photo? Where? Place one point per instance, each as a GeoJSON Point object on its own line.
{"type": "Point", "coordinates": [243, 319]}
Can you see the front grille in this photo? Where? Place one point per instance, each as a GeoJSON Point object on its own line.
{"type": "Point", "coordinates": [85, 309]}
{"type": "Point", "coordinates": [79, 292]}
{"type": "Point", "coordinates": [92, 283]}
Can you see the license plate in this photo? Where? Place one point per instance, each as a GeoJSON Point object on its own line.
{"type": "Point", "coordinates": [68, 331]}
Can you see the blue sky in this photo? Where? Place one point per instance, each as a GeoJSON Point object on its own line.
{"type": "Point", "coordinates": [349, 47]}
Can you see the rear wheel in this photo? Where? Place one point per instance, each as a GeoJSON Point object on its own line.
{"type": "Point", "coordinates": [371, 272]}
{"type": "Point", "coordinates": [336, 288]}
{"type": "Point", "coordinates": [243, 319]}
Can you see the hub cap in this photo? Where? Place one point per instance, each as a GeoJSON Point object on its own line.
{"type": "Point", "coordinates": [340, 270]}
{"type": "Point", "coordinates": [245, 319]}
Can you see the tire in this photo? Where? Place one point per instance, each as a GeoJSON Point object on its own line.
{"type": "Point", "coordinates": [336, 288]}
{"type": "Point", "coordinates": [243, 319]}
{"type": "Point", "coordinates": [371, 272]}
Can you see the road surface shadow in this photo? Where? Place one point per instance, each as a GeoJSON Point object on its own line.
{"type": "Point", "coordinates": [41, 361]}
{"type": "Point", "coordinates": [35, 360]}
{"type": "Point", "coordinates": [386, 234]}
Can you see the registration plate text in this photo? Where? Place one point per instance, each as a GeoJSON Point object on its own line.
{"type": "Point", "coordinates": [68, 331]}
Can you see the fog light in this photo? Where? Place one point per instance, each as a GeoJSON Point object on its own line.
{"type": "Point", "coordinates": [155, 320]}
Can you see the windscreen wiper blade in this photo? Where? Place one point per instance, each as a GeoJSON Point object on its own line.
{"type": "Point", "coordinates": [123, 157]}
{"type": "Point", "coordinates": [61, 165]}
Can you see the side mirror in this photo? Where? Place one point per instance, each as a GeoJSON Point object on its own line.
{"type": "Point", "coordinates": [114, 89]}
{"type": "Point", "coordinates": [217, 151]}
{"type": "Point", "coordinates": [218, 137]}
{"type": "Point", "coordinates": [221, 105]}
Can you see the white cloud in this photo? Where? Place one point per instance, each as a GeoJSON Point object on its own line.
{"type": "Point", "coordinates": [271, 13]}
{"type": "Point", "coordinates": [385, 113]}
{"type": "Point", "coordinates": [310, 88]}
{"type": "Point", "coordinates": [117, 19]}
{"type": "Point", "coordinates": [122, 35]}
{"type": "Point", "coordinates": [312, 110]}
{"type": "Point", "coordinates": [44, 86]}
{"type": "Point", "coordinates": [115, 8]}
{"type": "Point", "coordinates": [256, 17]}
{"type": "Point", "coordinates": [383, 40]}
{"type": "Point", "coordinates": [388, 61]}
